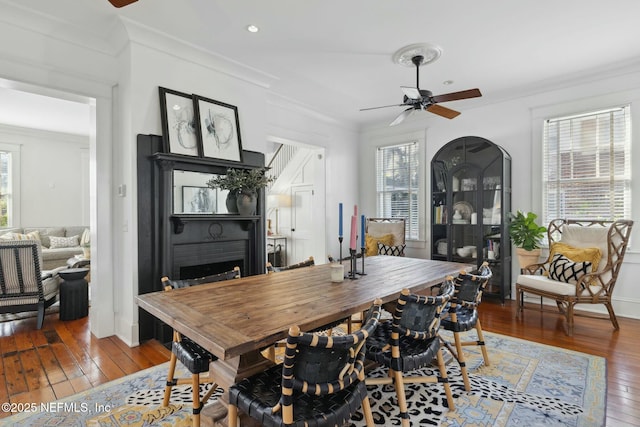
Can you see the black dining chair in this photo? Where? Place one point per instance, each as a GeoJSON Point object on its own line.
{"type": "Point", "coordinates": [462, 316]}
{"type": "Point", "coordinates": [410, 342]}
{"type": "Point", "coordinates": [195, 358]}
{"type": "Point", "coordinates": [321, 382]}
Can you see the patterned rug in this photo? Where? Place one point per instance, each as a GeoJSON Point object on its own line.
{"type": "Point", "coordinates": [527, 384]}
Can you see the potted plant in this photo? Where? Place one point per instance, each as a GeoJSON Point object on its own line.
{"type": "Point", "coordinates": [243, 186]}
{"type": "Point", "coordinates": [526, 235]}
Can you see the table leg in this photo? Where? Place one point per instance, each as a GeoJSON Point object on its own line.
{"type": "Point", "coordinates": [227, 373]}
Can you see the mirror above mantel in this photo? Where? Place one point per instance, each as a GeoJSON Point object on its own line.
{"type": "Point", "coordinates": [192, 196]}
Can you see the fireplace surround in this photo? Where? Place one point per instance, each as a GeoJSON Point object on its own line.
{"type": "Point", "coordinates": [188, 245]}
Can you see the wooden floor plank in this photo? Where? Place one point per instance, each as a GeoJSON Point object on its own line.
{"type": "Point", "coordinates": [72, 360]}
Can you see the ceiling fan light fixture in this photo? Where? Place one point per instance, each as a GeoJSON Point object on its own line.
{"type": "Point", "coordinates": [429, 52]}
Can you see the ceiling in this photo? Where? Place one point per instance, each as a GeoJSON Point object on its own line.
{"type": "Point", "coordinates": [335, 56]}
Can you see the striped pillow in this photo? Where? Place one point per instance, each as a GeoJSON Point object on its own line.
{"type": "Point", "coordinates": [34, 235]}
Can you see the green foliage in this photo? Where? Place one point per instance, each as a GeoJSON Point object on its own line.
{"type": "Point", "coordinates": [524, 231]}
{"type": "Point", "coordinates": [241, 180]}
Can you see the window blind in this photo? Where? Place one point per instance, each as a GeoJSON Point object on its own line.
{"type": "Point", "coordinates": [587, 166]}
{"type": "Point", "coordinates": [397, 185]}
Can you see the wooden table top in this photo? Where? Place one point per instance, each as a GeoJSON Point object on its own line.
{"type": "Point", "coordinates": [237, 316]}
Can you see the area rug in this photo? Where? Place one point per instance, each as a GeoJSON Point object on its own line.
{"type": "Point", "coordinates": [527, 384]}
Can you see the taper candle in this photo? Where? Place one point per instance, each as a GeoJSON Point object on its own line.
{"type": "Point", "coordinates": [362, 231]}
{"type": "Point", "coordinates": [340, 220]}
{"type": "Point", "coordinates": [352, 241]}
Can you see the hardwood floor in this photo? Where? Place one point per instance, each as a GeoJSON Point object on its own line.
{"type": "Point", "coordinates": [63, 358]}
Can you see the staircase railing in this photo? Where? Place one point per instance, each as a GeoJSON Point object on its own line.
{"type": "Point", "coordinates": [280, 160]}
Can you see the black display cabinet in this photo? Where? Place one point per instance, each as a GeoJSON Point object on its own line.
{"type": "Point", "coordinates": [471, 201]}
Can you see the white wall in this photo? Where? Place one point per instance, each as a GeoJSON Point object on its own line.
{"type": "Point", "coordinates": [516, 126]}
{"type": "Point", "coordinates": [53, 190]}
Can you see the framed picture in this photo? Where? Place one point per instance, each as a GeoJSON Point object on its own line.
{"type": "Point", "coordinates": [218, 129]}
{"type": "Point", "coordinates": [198, 200]}
{"type": "Point", "coordinates": [178, 123]}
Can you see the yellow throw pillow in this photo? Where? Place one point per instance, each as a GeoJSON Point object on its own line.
{"type": "Point", "coordinates": [575, 254]}
{"type": "Point", "coordinates": [371, 243]}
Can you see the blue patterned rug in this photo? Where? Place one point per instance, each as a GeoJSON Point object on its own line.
{"type": "Point", "coordinates": [527, 384]}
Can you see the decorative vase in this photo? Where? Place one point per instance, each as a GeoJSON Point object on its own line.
{"type": "Point", "coordinates": [231, 202]}
{"type": "Point", "coordinates": [247, 202]}
{"type": "Point", "coordinates": [526, 257]}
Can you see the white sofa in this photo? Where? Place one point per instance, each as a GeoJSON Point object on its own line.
{"type": "Point", "coordinates": [53, 255]}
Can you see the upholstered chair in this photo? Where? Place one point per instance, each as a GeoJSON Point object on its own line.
{"type": "Point", "coordinates": [24, 286]}
{"type": "Point", "coordinates": [584, 261]}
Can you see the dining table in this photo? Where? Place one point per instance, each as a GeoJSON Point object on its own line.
{"type": "Point", "coordinates": [238, 318]}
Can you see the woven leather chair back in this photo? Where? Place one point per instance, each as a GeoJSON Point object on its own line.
{"type": "Point", "coordinates": [418, 316]}
{"type": "Point", "coordinates": [321, 365]}
{"type": "Point", "coordinates": [469, 286]}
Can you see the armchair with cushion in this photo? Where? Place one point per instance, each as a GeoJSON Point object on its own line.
{"type": "Point", "coordinates": [23, 286]}
{"type": "Point", "coordinates": [385, 236]}
{"type": "Point", "coordinates": [585, 257]}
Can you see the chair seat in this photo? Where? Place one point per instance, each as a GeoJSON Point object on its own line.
{"type": "Point", "coordinates": [467, 318]}
{"type": "Point", "coordinates": [257, 395]}
{"type": "Point", "coordinates": [544, 284]}
{"type": "Point", "coordinates": [195, 358]}
{"type": "Point", "coordinates": [414, 354]}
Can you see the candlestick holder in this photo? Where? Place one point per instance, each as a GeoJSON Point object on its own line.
{"type": "Point", "coordinates": [353, 259]}
{"type": "Point", "coordinates": [340, 239]}
{"type": "Point", "coordinates": [362, 254]}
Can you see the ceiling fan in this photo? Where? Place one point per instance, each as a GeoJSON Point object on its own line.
{"type": "Point", "coordinates": [418, 99]}
{"type": "Point", "coordinates": [121, 3]}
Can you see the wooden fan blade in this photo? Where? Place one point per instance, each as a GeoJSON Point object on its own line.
{"type": "Point", "coordinates": [121, 3]}
{"type": "Point", "coordinates": [384, 106]}
{"type": "Point", "coordinates": [442, 111]}
{"type": "Point", "coordinates": [454, 96]}
{"type": "Point", "coordinates": [411, 92]}
{"type": "Point", "coordinates": [401, 117]}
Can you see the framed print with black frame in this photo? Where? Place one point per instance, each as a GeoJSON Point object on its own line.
{"type": "Point", "coordinates": [218, 129]}
{"type": "Point", "coordinates": [198, 199]}
{"type": "Point", "coordinates": [179, 123]}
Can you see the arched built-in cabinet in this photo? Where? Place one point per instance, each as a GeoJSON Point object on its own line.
{"type": "Point", "coordinates": [471, 200]}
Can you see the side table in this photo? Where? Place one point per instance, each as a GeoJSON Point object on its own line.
{"type": "Point", "coordinates": [74, 293]}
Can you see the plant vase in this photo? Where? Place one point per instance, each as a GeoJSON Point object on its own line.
{"type": "Point", "coordinates": [526, 258]}
{"type": "Point", "coordinates": [247, 202]}
{"type": "Point", "coordinates": [231, 202]}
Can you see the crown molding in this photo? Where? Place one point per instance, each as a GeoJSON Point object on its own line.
{"type": "Point", "coordinates": [157, 40]}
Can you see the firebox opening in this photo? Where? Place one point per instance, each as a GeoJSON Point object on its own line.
{"type": "Point", "coordinates": [195, 271]}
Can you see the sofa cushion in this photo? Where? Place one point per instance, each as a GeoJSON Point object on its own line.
{"type": "Point", "coordinates": [397, 250]}
{"type": "Point", "coordinates": [75, 230]}
{"type": "Point", "coordinates": [34, 235]}
{"type": "Point", "coordinates": [577, 254]}
{"type": "Point", "coordinates": [45, 233]}
{"type": "Point", "coordinates": [64, 242]}
{"type": "Point", "coordinates": [566, 270]}
{"type": "Point", "coordinates": [371, 243]}
{"type": "Point", "coordinates": [582, 237]}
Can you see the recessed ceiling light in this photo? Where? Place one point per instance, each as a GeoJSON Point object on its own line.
{"type": "Point", "coordinates": [447, 82]}
{"type": "Point", "coordinates": [252, 28]}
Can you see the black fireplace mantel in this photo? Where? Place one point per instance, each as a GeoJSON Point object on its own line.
{"type": "Point", "coordinates": [172, 244]}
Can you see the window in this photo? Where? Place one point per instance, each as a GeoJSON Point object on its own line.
{"type": "Point", "coordinates": [397, 180]}
{"type": "Point", "coordinates": [5, 188]}
{"type": "Point", "coordinates": [587, 166]}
